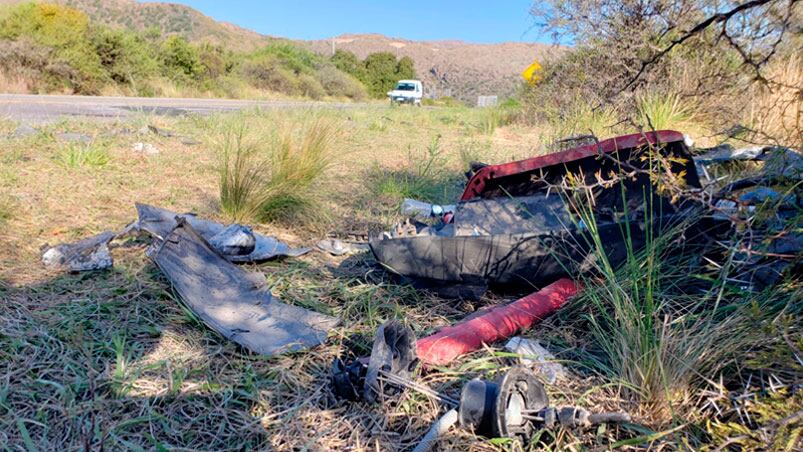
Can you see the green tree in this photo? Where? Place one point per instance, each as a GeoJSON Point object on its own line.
{"type": "Point", "coordinates": [180, 58]}
{"type": "Point", "coordinates": [405, 69]}
{"type": "Point", "coordinates": [380, 73]}
{"type": "Point", "coordinates": [125, 56]}
{"type": "Point", "coordinates": [349, 63]}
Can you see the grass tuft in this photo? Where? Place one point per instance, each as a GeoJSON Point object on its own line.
{"type": "Point", "coordinates": [666, 111]}
{"type": "Point", "coordinates": [83, 155]}
{"type": "Point", "coordinates": [274, 182]}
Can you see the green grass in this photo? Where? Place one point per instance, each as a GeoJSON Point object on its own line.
{"type": "Point", "coordinates": [648, 329]}
{"type": "Point", "coordinates": [666, 111]}
{"type": "Point", "coordinates": [423, 177]}
{"type": "Point", "coordinates": [83, 155]}
{"type": "Point", "coordinates": [271, 177]}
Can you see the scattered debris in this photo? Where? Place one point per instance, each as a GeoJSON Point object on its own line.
{"type": "Point", "coordinates": [511, 226]}
{"type": "Point", "coordinates": [337, 247]}
{"type": "Point", "coordinates": [232, 302]}
{"type": "Point", "coordinates": [145, 148]}
{"type": "Point", "coordinates": [778, 160]}
{"type": "Point", "coordinates": [161, 132]}
{"type": "Point", "coordinates": [159, 222]}
{"type": "Point", "coordinates": [438, 429]}
{"type": "Point", "coordinates": [89, 254]}
{"type": "Point", "coordinates": [496, 324]}
{"type": "Point", "coordinates": [72, 137]}
{"type": "Point", "coordinates": [536, 357]}
{"type": "Point", "coordinates": [414, 208]}
{"type": "Point", "coordinates": [24, 131]}
{"type": "Point", "coordinates": [188, 141]}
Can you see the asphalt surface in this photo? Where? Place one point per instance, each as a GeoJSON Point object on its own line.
{"type": "Point", "coordinates": [36, 109]}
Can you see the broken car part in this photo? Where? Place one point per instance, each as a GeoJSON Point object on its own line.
{"type": "Point", "coordinates": [231, 301]}
{"type": "Point", "coordinates": [159, 222]}
{"type": "Point", "coordinates": [414, 208]}
{"type": "Point", "coordinates": [536, 357]}
{"type": "Point", "coordinates": [518, 406]}
{"type": "Point", "coordinates": [89, 254]}
{"type": "Point", "coordinates": [513, 227]}
{"type": "Point", "coordinates": [337, 247]}
{"type": "Point", "coordinates": [494, 325]}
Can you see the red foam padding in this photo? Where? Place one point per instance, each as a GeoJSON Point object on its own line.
{"type": "Point", "coordinates": [497, 324]}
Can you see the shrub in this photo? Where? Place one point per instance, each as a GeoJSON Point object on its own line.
{"type": "Point", "coordinates": [310, 87]}
{"type": "Point", "coordinates": [180, 59]}
{"type": "Point", "coordinates": [125, 56]}
{"type": "Point", "coordinates": [266, 72]}
{"type": "Point", "coordinates": [349, 63]}
{"type": "Point", "coordinates": [340, 84]}
{"type": "Point", "coordinates": [66, 32]}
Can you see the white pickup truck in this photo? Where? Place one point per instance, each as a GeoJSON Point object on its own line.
{"type": "Point", "coordinates": [407, 92]}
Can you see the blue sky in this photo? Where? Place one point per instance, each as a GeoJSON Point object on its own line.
{"type": "Point", "coordinates": [482, 21]}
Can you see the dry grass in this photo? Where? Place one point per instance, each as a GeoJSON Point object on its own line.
{"type": "Point", "coordinates": [112, 360]}
{"type": "Point", "coordinates": [776, 110]}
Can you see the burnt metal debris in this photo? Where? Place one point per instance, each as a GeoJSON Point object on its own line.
{"type": "Point", "coordinates": [231, 241]}
{"type": "Point", "coordinates": [231, 301]}
{"type": "Point", "coordinates": [197, 256]}
{"type": "Point", "coordinates": [89, 254]}
{"type": "Point", "coordinates": [511, 226]}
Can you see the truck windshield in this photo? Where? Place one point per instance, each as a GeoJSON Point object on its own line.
{"type": "Point", "coordinates": [405, 87]}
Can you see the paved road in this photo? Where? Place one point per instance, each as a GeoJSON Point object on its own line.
{"type": "Point", "coordinates": [43, 109]}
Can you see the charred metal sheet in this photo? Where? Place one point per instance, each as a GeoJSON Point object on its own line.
{"type": "Point", "coordinates": [91, 253]}
{"type": "Point", "coordinates": [159, 222]}
{"type": "Point", "coordinates": [231, 301]}
{"type": "Point", "coordinates": [513, 227]}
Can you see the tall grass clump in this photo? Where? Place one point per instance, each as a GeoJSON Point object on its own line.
{"type": "Point", "coordinates": [78, 155]}
{"type": "Point", "coordinates": [666, 111]}
{"type": "Point", "coordinates": [241, 174]}
{"type": "Point", "coordinates": [300, 158]}
{"type": "Point", "coordinates": [270, 178]}
{"type": "Point", "coordinates": [653, 326]}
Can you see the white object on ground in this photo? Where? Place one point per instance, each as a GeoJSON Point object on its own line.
{"type": "Point", "coordinates": [440, 427]}
{"type": "Point", "coordinates": [146, 148]}
{"type": "Point", "coordinates": [414, 208]}
{"type": "Point", "coordinates": [533, 355]}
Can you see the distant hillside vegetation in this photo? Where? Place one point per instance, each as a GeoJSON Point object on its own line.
{"type": "Point", "coordinates": [167, 18]}
{"type": "Point", "coordinates": [452, 68]}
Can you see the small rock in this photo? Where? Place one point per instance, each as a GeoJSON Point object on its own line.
{"type": "Point", "coordinates": [24, 131]}
{"type": "Point", "coordinates": [146, 148]}
{"type": "Point", "coordinates": [73, 137]}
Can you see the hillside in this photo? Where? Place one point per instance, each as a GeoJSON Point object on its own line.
{"type": "Point", "coordinates": [462, 70]}
{"type": "Point", "coordinates": [455, 68]}
{"type": "Point", "coordinates": [168, 18]}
